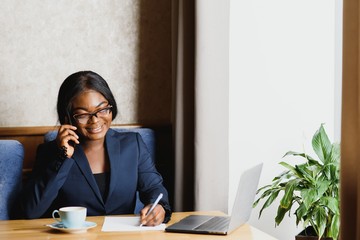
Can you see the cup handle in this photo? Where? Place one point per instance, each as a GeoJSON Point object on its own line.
{"type": "Point", "coordinates": [58, 219]}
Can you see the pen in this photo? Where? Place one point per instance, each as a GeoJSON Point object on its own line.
{"type": "Point", "coordinates": [153, 206]}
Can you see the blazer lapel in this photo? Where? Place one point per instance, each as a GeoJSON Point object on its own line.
{"type": "Point", "coordinates": [81, 160]}
{"type": "Point", "coordinates": [113, 149]}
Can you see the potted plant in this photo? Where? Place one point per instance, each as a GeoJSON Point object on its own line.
{"type": "Point", "coordinates": [312, 188]}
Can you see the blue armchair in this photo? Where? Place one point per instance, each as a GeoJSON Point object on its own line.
{"type": "Point", "coordinates": [147, 134]}
{"type": "Point", "coordinates": [11, 162]}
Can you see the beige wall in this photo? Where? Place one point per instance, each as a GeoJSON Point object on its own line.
{"type": "Point", "coordinates": [128, 42]}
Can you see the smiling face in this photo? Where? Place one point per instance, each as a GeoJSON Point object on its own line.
{"type": "Point", "coordinates": [91, 101]}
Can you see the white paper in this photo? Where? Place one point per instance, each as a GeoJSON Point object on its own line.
{"type": "Point", "coordinates": [125, 224]}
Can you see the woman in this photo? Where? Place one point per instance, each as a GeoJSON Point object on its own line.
{"type": "Point", "coordinates": [90, 164]}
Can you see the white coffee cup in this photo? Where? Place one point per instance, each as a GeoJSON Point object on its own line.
{"type": "Point", "coordinates": [71, 217]}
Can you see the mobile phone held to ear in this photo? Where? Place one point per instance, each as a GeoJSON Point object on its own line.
{"type": "Point", "coordinates": [70, 142]}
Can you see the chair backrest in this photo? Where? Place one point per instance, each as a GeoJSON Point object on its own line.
{"type": "Point", "coordinates": [147, 134]}
{"type": "Point", "coordinates": [11, 162]}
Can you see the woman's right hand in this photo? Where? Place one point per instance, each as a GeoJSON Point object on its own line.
{"type": "Point", "coordinates": [66, 134]}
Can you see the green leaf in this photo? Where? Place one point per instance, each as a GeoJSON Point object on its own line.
{"type": "Point", "coordinates": [312, 195]}
{"type": "Point", "coordinates": [309, 196]}
{"type": "Point", "coordinates": [288, 166]}
{"type": "Point", "coordinates": [300, 212]}
{"type": "Point", "coordinates": [269, 201]}
{"type": "Point", "coordinates": [333, 168]}
{"type": "Point", "coordinates": [293, 170]}
{"type": "Point", "coordinates": [319, 221]}
{"type": "Point", "coordinates": [321, 144]}
{"type": "Point", "coordinates": [262, 188]}
{"type": "Point", "coordinates": [287, 199]}
{"type": "Point", "coordinates": [334, 228]}
{"type": "Point", "coordinates": [283, 176]}
{"type": "Point", "coordinates": [332, 204]}
{"type": "Point", "coordinates": [262, 196]}
{"type": "Point", "coordinates": [280, 214]}
{"type": "Point", "coordinates": [335, 153]}
{"type": "Point", "coordinates": [292, 153]}
{"type": "Point", "coordinates": [321, 187]}
{"type": "Point", "coordinates": [327, 171]}
{"type": "Point", "coordinates": [303, 168]}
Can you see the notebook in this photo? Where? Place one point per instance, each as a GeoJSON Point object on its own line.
{"type": "Point", "coordinates": [222, 225]}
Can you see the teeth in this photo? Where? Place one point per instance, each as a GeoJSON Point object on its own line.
{"type": "Point", "coordinates": [94, 129]}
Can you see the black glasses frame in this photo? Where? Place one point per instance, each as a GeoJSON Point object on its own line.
{"type": "Point", "coordinates": [75, 116]}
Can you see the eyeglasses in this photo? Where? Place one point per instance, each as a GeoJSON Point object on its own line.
{"type": "Point", "coordinates": [84, 118]}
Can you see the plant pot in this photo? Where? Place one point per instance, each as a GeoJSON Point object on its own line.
{"type": "Point", "coordinates": [309, 234]}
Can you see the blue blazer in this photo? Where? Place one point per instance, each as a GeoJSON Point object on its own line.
{"type": "Point", "coordinates": [57, 183]}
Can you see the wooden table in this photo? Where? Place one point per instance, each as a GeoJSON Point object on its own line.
{"type": "Point", "coordinates": [36, 230]}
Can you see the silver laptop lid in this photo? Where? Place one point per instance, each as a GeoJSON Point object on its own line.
{"type": "Point", "coordinates": [245, 197]}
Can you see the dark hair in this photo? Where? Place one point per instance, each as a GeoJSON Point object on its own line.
{"type": "Point", "coordinates": [77, 83]}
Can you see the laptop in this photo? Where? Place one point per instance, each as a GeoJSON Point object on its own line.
{"type": "Point", "coordinates": [222, 225]}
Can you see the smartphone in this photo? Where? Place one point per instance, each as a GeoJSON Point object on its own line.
{"type": "Point", "coordinates": [71, 143]}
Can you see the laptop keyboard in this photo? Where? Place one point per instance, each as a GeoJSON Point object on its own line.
{"type": "Point", "coordinates": [215, 224]}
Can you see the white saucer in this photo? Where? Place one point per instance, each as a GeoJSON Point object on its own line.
{"type": "Point", "coordinates": [60, 226]}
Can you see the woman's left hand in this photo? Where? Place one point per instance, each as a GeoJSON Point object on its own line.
{"type": "Point", "coordinates": [155, 218]}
